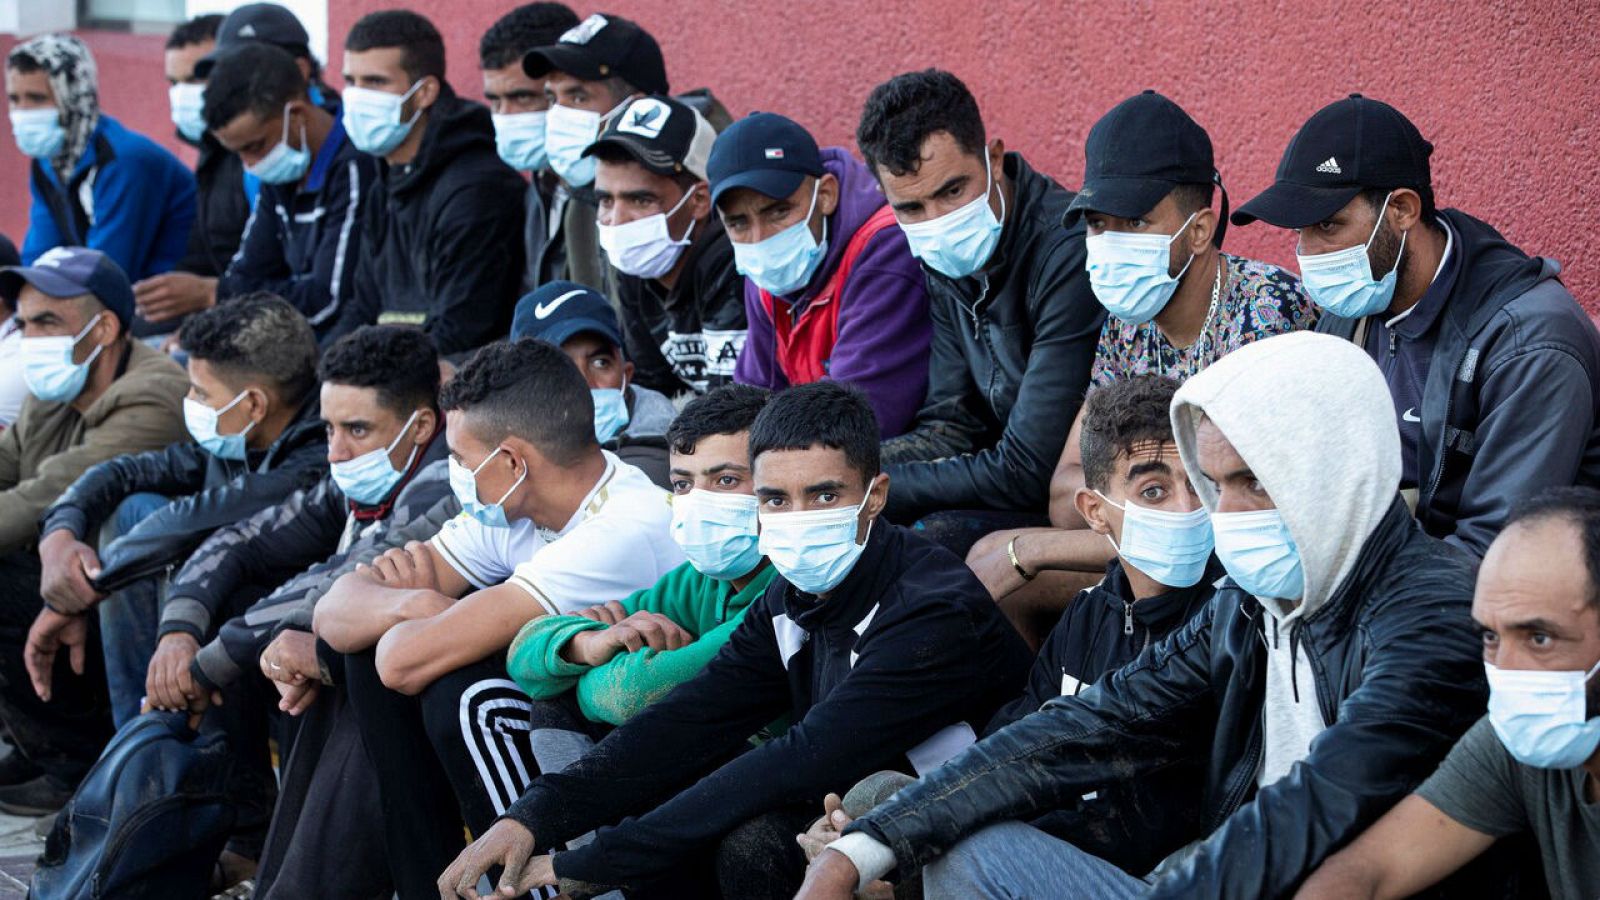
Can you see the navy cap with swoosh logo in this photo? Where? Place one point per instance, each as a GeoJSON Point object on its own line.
{"type": "Point", "coordinates": [560, 309]}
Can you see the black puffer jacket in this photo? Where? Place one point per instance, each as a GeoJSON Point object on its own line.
{"type": "Point", "coordinates": [224, 209]}
{"type": "Point", "coordinates": [1399, 677]}
{"type": "Point", "coordinates": [1012, 349]}
{"type": "Point", "coordinates": [207, 493]}
{"type": "Point", "coordinates": [442, 239]}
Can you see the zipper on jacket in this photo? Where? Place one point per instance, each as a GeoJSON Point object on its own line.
{"type": "Point", "coordinates": [1438, 468]}
{"type": "Point", "coordinates": [1127, 618]}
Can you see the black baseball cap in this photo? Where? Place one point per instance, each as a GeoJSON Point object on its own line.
{"type": "Point", "coordinates": [560, 309]}
{"type": "Point", "coordinates": [603, 46]}
{"type": "Point", "coordinates": [1137, 153]}
{"type": "Point", "coordinates": [665, 136]}
{"type": "Point", "coordinates": [765, 152]}
{"type": "Point", "coordinates": [1347, 147]}
{"type": "Point", "coordinates": [72, 272]}
{"type": "Point", "coordinates": [268, 23]}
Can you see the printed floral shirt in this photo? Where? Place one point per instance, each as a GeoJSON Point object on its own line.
{"type": "Point", "coordinates": [1258, 301]}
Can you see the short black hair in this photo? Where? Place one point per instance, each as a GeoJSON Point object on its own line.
{"type": "Point", "coordinates": [256, 335]}
{"type": "Point", "coordinates": [253, 77]}
{"type": "Point", "coordinates": [1118, 417]}
{"type": "Point", "coordinates": [1376, 196]}
{"type": "Point", "coordinates": [524, 28]}
{"type": "Point", "coordinates": [902, 112]}
{"type": "Point", "coordinates": [422, 49]}
{"type": "Point", "coordinates": [529, 389]}
{"type": "Point", "coordinates": [1579, 506]}
{"type": "Point", "coordinates": [829, 413]}
{"type": "Point", "coordinates": [1194, 196]}
{"type": "Point", "coordinates": [197, 30]}
{"type": "Point", "coordinates": [611, 153]}
{"type": "Point", "coordinates": [402, 363]}
{"type": "Point", "coordinates": [729, 409]}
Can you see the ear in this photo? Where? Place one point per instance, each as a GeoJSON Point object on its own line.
{"type": "Point", "coordinates": [427, 426]}
{"type": "Point", "coordinates": [1405, 209]}
{"type": "Point", "coordinates": [104, 331]}
{"type": "Point", "coordinates": [997, 155]}
{"type": "Point", "coordinates": [700, 202]}
{"type": "Point", "coordinates": [258, 403]}
{"type": "Point", "coordinates": [828, 194]}
{"type": "Point", "coordinates": [877, 496]}
{"type": "Point", "coordinates": [1201, 231]}
{"type": "Point", "coordinates": [1092, 509]}
{"type": "Point", "coordinates": [427, 94]}
{"type": "Point", "coordinates": [627, 374]}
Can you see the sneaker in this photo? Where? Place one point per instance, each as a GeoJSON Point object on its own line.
{"type": "Point", "coordinates": [16, 769]}
{"type": "Point", "coordinates": [40, 796]}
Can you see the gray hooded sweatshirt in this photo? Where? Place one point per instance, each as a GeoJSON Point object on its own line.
{"type": "Point", "coordinates": [1332, 494]}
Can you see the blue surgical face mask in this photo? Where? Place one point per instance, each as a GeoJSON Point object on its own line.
{"type": "Point", "coordinates": [717, 532]}
{"type": "Point", "coordinates": [1341, 282]}
{"type": "Point", "coordinates": [785, 262]}
{"type": "Point", "coordinates": [610, 411]}
{"type": "Point", "coordinates": [48, 369]}
{"type": "Point", "coordinates": [1542, 717]}
{"type": "Point", "coordinates": [464, 484]}
{"type": "Point", "coordinates": [38, 132]}
{"type": "Point", "coordinates": [567, 133]}
{"type": "Point", "coordinates": [1170, 547]}
{"type": "Point", "coordinates": [815, 550]}
{"type": "Point", "coordinates": [284, 164]}
{"type": "Point", "coordinates": [188, 102]}
{"type": "Point", "coordinates": [1128, 272]}
{"type": "Point", "coordinates": [202, 422]}
{"type": "Point", "coordinates": [960, 242]}
{"type": "Point", "coordinates": [519, 139]}
{"type": "Point", "coordinates": [369, 478]}
{"type": "Point", "coordinates": [1259, 554]}
{"type": "Point", "coordinates": [372, 119]}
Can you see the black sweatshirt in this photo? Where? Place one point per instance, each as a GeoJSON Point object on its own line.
{"type": "Point", "coordinates": [909, 645]}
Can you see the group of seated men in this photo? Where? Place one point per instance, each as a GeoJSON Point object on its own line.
{"type": "Point", "coordinates": [666, 504]}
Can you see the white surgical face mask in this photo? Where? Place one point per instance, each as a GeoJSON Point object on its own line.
{"type": "Point", "coordinates": [187, 102]}
{"type": "Point", "coordinates": [717, 532]}
{"type": "Point", "coordinates": [567, 133]}
{"type": "Point", "coordinates": [48, 369]}
{"type": "Point", "coordinates": [1542, 717]}
{"type": "Point", "coordinates": [814, 550]}
{"type": "Point", "coordinates": [1170, 547]}
{"type": "Point", "coordinates": [1342, 283]}
{"type": "Point", "coordinates": [38, 132]}
{"type": "Point", "coordinates": [519, 139]}
{"type": "Point", "coordinates": [370, 477]}
{"type": "Point", "coordinates": [960, 242]}
{"type": "Point", "coordinates": [372, 118]}
{"type": "Point", "coordinates": [1128, 272]}
{"type": "Point", "coordinates": [787, 261]}
{"type": "Point", "coordinates": [645, 248]}
{"type": "Point", "coordinates": [284, 164]}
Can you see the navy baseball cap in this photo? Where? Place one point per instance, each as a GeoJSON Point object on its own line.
{"type": "Point", "coordinates": [1137, 153]}
{"type": "Point", "coordinates": [268, 23]}
{"type": "Point", "coordinates": [765, 152]}
{"type": "Point", "coordinates": [72, 272]}
{"type": "Point", "coordinates": [1347, 147]}
{"type": "Point", "coordinates": [603, 46]}
{"type": "Point", "coordinates": [662, 134]}
{"type": "Point", "coordinates": [560, 309]}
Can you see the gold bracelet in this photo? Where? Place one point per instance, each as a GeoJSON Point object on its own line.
{"type": "Point", "coordinates": [1011, 551]}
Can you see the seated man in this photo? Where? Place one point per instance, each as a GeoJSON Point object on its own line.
{"type": "Point", "coordinates": [303, 241]}
{"type": "Point", "coordinates": [94, 183]}
{"type": "Point", "coordinates": [629, 420]}
{"type": "Point", "coordinates": [831, 290]}
{"type": "Point", "coordinates": [1177, 303]}
{"type": "Point", "coordinates": [613, 661]}
{"type": "Point", "coordinates": [1533, 763]}
{"type": "Point", "coordinates": [589, 75]}
{"type": "Point", "coordinates": [1327, 676]}
{"type": "Point", "coordinates": [92, 394]}
{"type": "Point", "coordinates": [679, 294]}
{"type": "Point", "coordinates": [520, 109]}
{"type": "Point", "coordinates": [552, 525]}
{"type": "Point", "coordinates": [1493, 367]}
{"type": "Point", "coordinates": [881, 647]}
{"type": "Point", "coordinates": [441, 239]}
{"type": "Point", "coordinates": [256, 438]}
{"type": "Point", "coordinates": [1014, 320]}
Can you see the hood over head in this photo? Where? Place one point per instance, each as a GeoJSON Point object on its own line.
{"type": "Point", "coordinates": [1311, 416]}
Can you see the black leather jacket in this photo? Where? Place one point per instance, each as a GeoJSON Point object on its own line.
{"type": "Point", "coordinates": [1012, 348]}
{"type": "Point", "coordinates": [1398, 677]}
{"type": "Point", "coordinates": [207, 493]}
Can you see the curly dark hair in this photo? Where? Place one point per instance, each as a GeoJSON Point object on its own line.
{"type": "Point", "coordinates": [727, 410]}
{"type": "Point", "coordinates": [421, 47]}
{"type": "Point", "coordinates": [829, 413]}
{"type": "Point", "coordinates": [400, 362]}
{"type": "Point", "coordinates": [529, 389]}
{"type": "Point", "coordinates": [197, 30]}
{"type": "Point", "coordinates": [524, 28]}
{"type": "Point", "coordinates": [255, 336]}
{"type": "Point", "coordinates": [904, 111]}
{"type": "Point", "coordinates": [251, 77]}
{"type": "Point", "coordinates": [1119, 416]}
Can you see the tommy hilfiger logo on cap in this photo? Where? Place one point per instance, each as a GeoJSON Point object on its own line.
{"type": "Point", "coordinates": [774, 153]}
{"type": "Point", "coordinates": [1330, 166]}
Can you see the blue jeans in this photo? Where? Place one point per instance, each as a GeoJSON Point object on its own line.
{"type": "Point", "coordinates": [129, 618]}
{"type": "Point", "coordinates": [1015, 861]}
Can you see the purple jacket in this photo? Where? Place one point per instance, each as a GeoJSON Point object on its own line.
{"type": "Point", "coordinates": [884, 329]}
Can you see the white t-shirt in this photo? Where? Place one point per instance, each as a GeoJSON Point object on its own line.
{"type": "Point", "coordinates": [13, 389]}
{"type": "Point", "coordinates": [618, 542]}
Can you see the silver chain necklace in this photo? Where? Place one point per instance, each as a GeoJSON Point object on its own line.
{"type": "Point", "coordinates": [1205, 326]}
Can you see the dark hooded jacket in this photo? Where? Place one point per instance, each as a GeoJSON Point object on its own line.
{"type": "Point", "coordinates": [223, 210]}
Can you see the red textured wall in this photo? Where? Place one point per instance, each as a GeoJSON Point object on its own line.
{"type": "Point", "coordinates": [1506, 91]}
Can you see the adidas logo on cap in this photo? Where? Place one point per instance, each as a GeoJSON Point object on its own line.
{"type": "Point", "coordinates": [1330, 166]}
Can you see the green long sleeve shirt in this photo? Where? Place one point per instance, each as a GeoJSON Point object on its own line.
{"type": "Point", "coordinates": [614, 692]}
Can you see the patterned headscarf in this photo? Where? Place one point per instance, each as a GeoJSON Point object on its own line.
{"type": "Point", "coordinates": [70, 68]}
